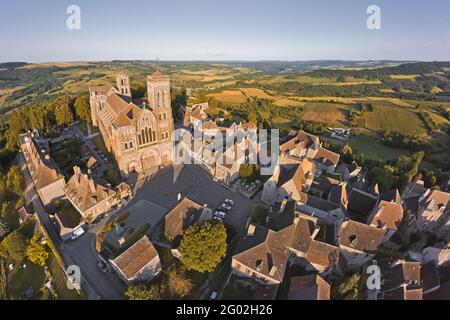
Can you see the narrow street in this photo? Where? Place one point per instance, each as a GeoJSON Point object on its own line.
{"type": "Point", "coordinates": [95, 283]}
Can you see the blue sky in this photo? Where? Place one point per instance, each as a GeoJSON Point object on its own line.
{"type": "Point", "coordinates": [35, 31]}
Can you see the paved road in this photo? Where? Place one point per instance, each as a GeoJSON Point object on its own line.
{"type": "Point", "coordinates": [80, 252]}
{"type": "Point", "coordinates": [161, 189]}
{"type": "Point", "coordinates": [193, 182]}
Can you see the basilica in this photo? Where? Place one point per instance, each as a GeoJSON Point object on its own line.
{"type": "Point", "coordinates": [138, 132]}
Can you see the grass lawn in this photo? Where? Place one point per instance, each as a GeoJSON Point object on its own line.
{"type": "Point", "coordinates": [20, 280]}
{"type": "Point", "coordinates": [372, 148]}
{"type": "Point", "coordinates": [60, 279]}
{"type": "Point", "coordinates": [70, 215]}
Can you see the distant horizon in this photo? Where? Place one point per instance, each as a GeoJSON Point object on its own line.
{"type": "Point", "coordinates": [224, 61]}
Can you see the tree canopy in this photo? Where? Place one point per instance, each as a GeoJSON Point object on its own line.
{"type": "Point", "coordinates": [204, 245]}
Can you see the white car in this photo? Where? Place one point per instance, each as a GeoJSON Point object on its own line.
{"type": "Point", "coordinates": [220, 214]}
{"type": "Point", "coordinates": [226, 207]}
{"type": "Point", "coordinates": [229, 202]}
{"type": "Point", "coordinates": [77, 232]}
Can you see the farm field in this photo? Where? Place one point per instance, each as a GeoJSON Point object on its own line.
{"type": "Point", "coordinates": [327, 113]}
{"type": "Point", "coordinates": [394, 119]}
{"type": "Point", "coordinates": [230, 96]}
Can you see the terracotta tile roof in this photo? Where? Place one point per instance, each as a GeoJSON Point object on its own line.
{"type": "Point", "coordinates": [301, 239]}
{"type": "Point", "coordinates": [43, 169]}
{"type": "Point", "coordinates": [436, 200]}
{"type": "Point", "coordinates": [91, 162]}
{"type": "Point", "coordinates": [136, 257]}
{"type": "Point", "coordinates": [310, 287]}
{"type": "Point", "coordinates": [117, 103]}
{"type": "Point", "coordinates": [121, 120]}
{"type": "Point", "coordinates": [103, 89]}
{"type": "Point", "coordinates": [158, 74]}
{"type": "Point", "coordinates": [327, 157]}
{"type": "Point", "coordinates": [387, 215]}
{"type": "Point", "coordinates": [184, 214]}
{"type": "Point", "coordinates": [268, 252]}
{"type": "Point", "coordinates": [323, 254]}
{"type": "Point", "coordinates": [303, 139]}
{"type": "Point", "coordinates": [85, 192]}
{"type": "Point", "coordinates": [360, 237]}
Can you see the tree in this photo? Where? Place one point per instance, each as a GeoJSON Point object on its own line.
{"type": "Point", "coordinates": [14, 180]}
{"type": "Point", "coordinates": [63, 114]}
{"type": "Point", "coordinates": [143, 292]}
{"type": "Point", "coordinates": [259, 214]}
{"type": "Point", "coordinates": [348, 154]}
{"type": "Point", "coordinates": [176, 285]}
{"type": "Point", "coordinates": [349, 288]}
{"type": "Point", "coordinates": [249, 172]}
{"type": "Point", "coordinates": [14, 246]}
{"type": "Point", "coordinates": [36, 252]}
{"type": "Point", "coordinates": [82, 108]}
{"type": "Point", "coordinates": [204, 245]}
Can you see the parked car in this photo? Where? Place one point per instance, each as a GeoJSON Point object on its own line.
{"type": "Point", "coordinates": [229, 202]}
{"type": "Point", "coordinates": [220, 214]}
{"type": "Point", "coordinates": [102, 266]}
{"type": "Point", "coordinates": [77, 232]}
{"type": "Point", "coordinates": [226, 207]}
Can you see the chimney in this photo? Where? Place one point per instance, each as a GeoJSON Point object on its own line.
{"type": "Point", "coordinates": [251, 230]}
{"type": "Point", "coordinates": [283, 204]}
{"type": "Point", "coordinates": [76, 170]}
{"type": "Point", "coordinates": [273, 270]}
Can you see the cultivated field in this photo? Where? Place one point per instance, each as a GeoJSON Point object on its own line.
{"type": "Point", "coordinates": [388, 118]}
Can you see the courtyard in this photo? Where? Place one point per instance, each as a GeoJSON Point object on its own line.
{"type": "Point", "coordinates": [158, 194]}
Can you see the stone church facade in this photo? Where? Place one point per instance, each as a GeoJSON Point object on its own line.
{"type": "Point", "coordinates": [138, 132]}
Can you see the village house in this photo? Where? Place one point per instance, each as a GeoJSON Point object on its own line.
{"type": "Point", "coordinates": [439, 253]}
{"type": "Point", "coordinates": [48, 181]}
{"type": "Point", "coordinates": [359, 242]}
{"type": "Point", "coordinates": [90, 198]}
{"type": "Point", "coordinates": [218, 150]}
{"type": "Point", "coordinates": [26, 213]}
{"type": "Point", "coordinates": [433, 214]}
{"type": "Point", "coordinates": [289, 182]}
{"type": "Point", "coordinates": [386, 216]}
{"type": "Point", "coordinates": [289, 238]}
{"type": "Point", "coordinates": [406, 280]}
{"type": "Point", "coordinates": [310, 287]}
{"type": "Point", "coordinates": [179, 218]}
{"type": "Point", "coordinates": [138, 263]}
{"type": "Point", "coordinates": [137, 131]}
{"type": "Point", "coordinates": [195, 115]}
{"type": "Point", "coordinates": [309, 146]}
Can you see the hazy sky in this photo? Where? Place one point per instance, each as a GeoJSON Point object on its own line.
{"type": "Point", "coordinates": [35, 31]}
